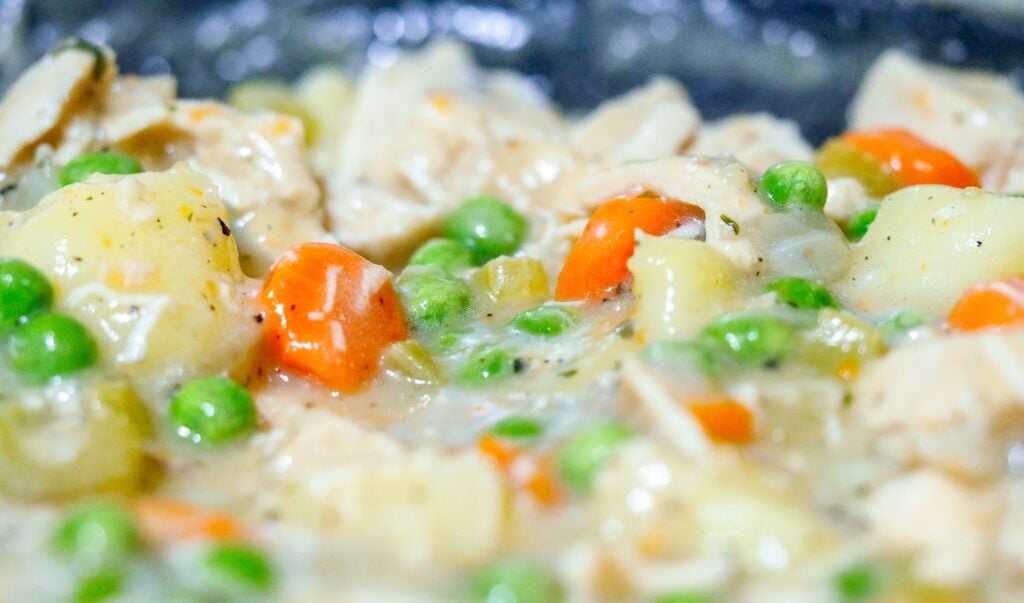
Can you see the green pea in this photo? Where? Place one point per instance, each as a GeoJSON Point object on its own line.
{"type": "Point", "coordinates": [488, 365]}
{"type": "Point", "coordinates": [802, 293]}
{"type": "Point", "coordinates": [517, 428]}
{"type": "Point", "coordinates": [903, 320]}
{"type": "Point", "coordinates": [443, 253]}
{"type": "Point", "coordinates": [748, 338]}
{"type": "Point", "coordinates": [212, 410]}
{"type": "Point", "coordinates": [587, 451]}
{"type": "Point", "coordinates": [23, 291]}
{"type": "Point", "coordinates": [107, 162]}
{"type": "Point", "coordinates": [50, 345]}
{"type": "Point", "coordinates": [237, 567]}
{"type": "Point", "coordinates": [794, 185]}
{"type": "Point", "coordinates": [99, 587]}
{"type": "Point", "coordinates": [860, 582]}
{"type": "Point", "coordinates": [858, 225]}
{"type": "Point", "coordinates": [488, 227]}
{"type": "Point", "coordinates": [516, 581]}
{"type": "Point", "coordinates": [546, 321]}
{"type": "Point", "coordinates": [432, 297]}
{"type": "Point", "coordinates": [687, 598]}
{"type": "Point", "coordinates": [673, 353]}
{"type": "Point", "coordinates": [96, 535]}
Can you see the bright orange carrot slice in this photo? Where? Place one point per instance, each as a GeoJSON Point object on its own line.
{"type": "Point", "coordinates": [912, 159]}
{"type": "Point", "coordinates": [994, 304]}
{"type": "Point", "coordinates": [596, 265]}
{"type": "Point", "coordinates": [724, 421]}
{"type": "Point", "coordinates": [331, 313]}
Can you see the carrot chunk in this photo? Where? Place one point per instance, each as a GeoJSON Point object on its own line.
{"type": "Point", "coordinates": [596, 265]}
{"type": "Point", "coordinates": [724, 421]}
{"type": "Point", "coordinates": [994, 304]}
{"type": "Point", "coordinates": [166, 521]}
{"type": "Point", "coordinates": [913, 160]}
{"type": "Point", "coordinates": [331, 313]}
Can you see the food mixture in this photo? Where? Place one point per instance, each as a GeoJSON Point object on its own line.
{"type": "Point", "coordinates": [419, 337]}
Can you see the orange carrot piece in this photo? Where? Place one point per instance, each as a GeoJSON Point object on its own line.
{"type": "Point", "coordinates": [912, 159]}
{"type": "Point", "coordinates": [500, 451]}
{"type": "Point", "coordinates": [534, 475]}
{"type": "Point", "coordinates": [596, 265]}
{"type": "Point", "coordinates": [725, 421]}
{"type": "Point", "coordinates": [331, 313]}
{"type": "Point", "coordinates": [994, 304]}
{"type": "Point", "coordinates": [165, 521]}
{"type": "Point", "coordinates": [542, 484]}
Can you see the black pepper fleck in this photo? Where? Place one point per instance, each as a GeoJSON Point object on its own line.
{"type": "Point", "coordinates": [224, 228]}
{"type": "Point", "coordinates": [519, 365]}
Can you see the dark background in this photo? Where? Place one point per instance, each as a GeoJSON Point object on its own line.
{"type": "Point", "coordinates": [798, 58]}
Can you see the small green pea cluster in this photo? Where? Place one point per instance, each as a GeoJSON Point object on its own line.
{"type": "Point", "coordinates": [437, 300]}
{"type": "Point", "coordinates": [812, 330]}
{"type": "Point", "coordinates": [479, 230]}
{"type": "Point", "coordinates": [102, 542]}
{"type": "Point", "coordinates": [39, 344]}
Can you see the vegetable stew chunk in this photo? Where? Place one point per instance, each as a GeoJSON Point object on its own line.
{"type": "Point", "coordinates": [929, 244]}
{"type": "Point", "coordinates": [148, 265]}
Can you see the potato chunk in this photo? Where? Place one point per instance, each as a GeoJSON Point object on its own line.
{"type": "Point", "coordinates": [59, 444]}
{"type": "Point", "coordinates": [148, 263]}
{"type": "Point", "coordinates": [680, 285]}
{"type": "Point", "coordinates": [930, 243]}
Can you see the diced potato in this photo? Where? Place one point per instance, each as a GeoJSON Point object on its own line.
{"type": "Point", "coordinates": [148, 263]}
{"type": "Point", "coordinates": [930, 243]}
{"type": "Point", "coordinates": [52, 447]}
{"type": "Point", "coordinates": [680, 285]}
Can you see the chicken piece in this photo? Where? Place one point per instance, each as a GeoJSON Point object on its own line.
{"type": "Point", "coordinates": [846, 197]}
{"type": "Point", "coordinates": [656, 398]}
{"type": "Point", "coordinates": [757, 140]}
{"type": "Point", "coordinates": [414, 508]}
{"type": "Point", "coordinates": [135, 104]}
{"type": "Point", "coordinates": [976, 116]}
{"type": "Point", "coordinates": [40, 104]}
{"type": "Point", "coordinates": [948, 527]}
{"type": "Point", "coordinates": [654, 121]}
{"type": "Point", "coordinates": [721, 187]}
{"type": "Point", "coordinates": [257, 160]}
{"type": "Point", "coordinates": [949, 403]}
{"type": "Point", "coordinates": [430, 131]}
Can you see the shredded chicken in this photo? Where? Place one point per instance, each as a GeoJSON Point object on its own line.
{"type": "Point", "coordinates": [429, 132]}
{"type": "Point", "coordinates": [949, 402]}
{"type": "Point", "coordinates": [41, 105]}
{"type": "Point", "coordinates": [757, 140]}
{"type": "Point", "coordinates": [651, 122]}
{"type": "Point", "coordinates": [949, 527]}
{"type": "Point", "coordinates": [414, 508]}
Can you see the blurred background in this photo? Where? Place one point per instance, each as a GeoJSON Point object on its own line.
{"type": "Point", "coordinates": [798, 58]}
